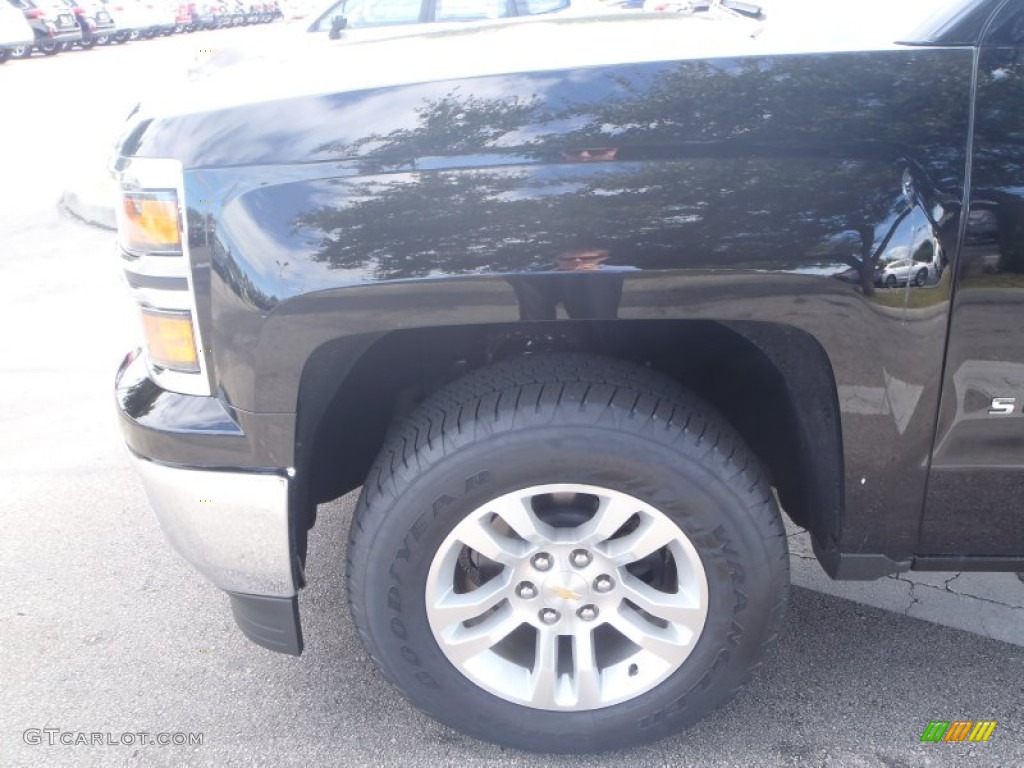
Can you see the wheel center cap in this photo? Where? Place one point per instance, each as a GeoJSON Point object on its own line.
{"type": "Point", "coordinates": [565, 586]}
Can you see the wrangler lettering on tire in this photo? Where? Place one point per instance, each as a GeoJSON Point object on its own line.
{"type": "Point", "coordinates": [566, 554]}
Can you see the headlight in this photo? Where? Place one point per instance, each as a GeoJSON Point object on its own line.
{"type": "Point", "coordinates": [169, 340]}
{"type": "Point", "coordinates": [154, 253]}
{"type": "Point", "coordinates": [149, 222]}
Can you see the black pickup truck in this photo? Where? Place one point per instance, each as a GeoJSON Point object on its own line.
{"type": "Point", "coordinates": [583, 305]}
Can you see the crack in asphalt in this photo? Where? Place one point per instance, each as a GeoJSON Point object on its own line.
{"type": "Point", "coordinates": [914, 599]}
{"type": "Point", "coordinates": [946, 588]}
{"type": "Point", "coordinates": [919, 595]}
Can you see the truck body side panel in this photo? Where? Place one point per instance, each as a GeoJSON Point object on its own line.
{"type": "Point", "coordinates": [747, 189]}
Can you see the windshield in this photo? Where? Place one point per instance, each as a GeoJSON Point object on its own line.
{"type": "Point", "coordinates": [950, 19]}
{"type": "Point", "coordinates": [831, 22]}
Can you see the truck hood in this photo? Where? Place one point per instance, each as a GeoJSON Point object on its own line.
{"type": "Point", "coordinates": [286, 100]}
{"type": "Point", "coordinates": [299, 63]}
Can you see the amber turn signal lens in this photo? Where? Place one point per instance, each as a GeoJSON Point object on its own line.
{"type": "Point", "coordinates": [149, 222]}
{"type": "Point", "coordinates": [169, 340]}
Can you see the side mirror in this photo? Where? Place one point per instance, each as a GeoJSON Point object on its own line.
{"type": "Point", "coordinates": [338, 23]}
{"type": "Point", "coordinates": [750, 10]}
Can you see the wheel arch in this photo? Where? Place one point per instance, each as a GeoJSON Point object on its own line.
{"type": "Point", "coordinates": [774, 383]}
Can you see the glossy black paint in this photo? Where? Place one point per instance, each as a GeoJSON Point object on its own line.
{"type": "Point", "coordinates": [748, 189]}
{"type": "Point", "coordinates": [192, 431]}
{"type": "Point", "coordinates": [977, 474]}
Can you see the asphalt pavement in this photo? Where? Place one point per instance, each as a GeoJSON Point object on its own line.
{"type": "Point", "coordinates": [104, 630]}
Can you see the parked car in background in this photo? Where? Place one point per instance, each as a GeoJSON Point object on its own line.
{"type": "Point", "coordinates": [269, 12]}
{"type": "Point", "coordinates": [901, 272]}
{"type": "Point", "coordinates": [94, 21]}
{"type": "Point", "coordinates": [15, 33]}
{"type": "Point", "coordinates": [183, 16]}
{"type": "Point", "coordinates": [53, 24]}
{"type": "Point", "coordinates": [142, 18]}
{"type": "Point", "coordinates": [207, 14]}
{"type": "Point", "coordinates": [165, 15]}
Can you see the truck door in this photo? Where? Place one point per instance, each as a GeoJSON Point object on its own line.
{"type": "Point", "coordinates": [975, 497]}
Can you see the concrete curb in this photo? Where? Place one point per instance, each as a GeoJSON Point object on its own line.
{"type": "Point", "coordinates": [92, 202]}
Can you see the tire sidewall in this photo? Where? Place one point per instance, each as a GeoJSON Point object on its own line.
{"type": "Point", "coordinates": [425, 505]}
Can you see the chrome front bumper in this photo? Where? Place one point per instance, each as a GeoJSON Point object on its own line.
{"type": "Point", "coordinates": [232, 526]}
{"type": "Point", "coordinates": [222, 496]}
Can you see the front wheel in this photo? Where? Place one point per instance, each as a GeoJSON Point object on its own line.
{"type": "Point", "coordinates": [567, 554]}
{"type": "Point", "coordinates": [21, 51]}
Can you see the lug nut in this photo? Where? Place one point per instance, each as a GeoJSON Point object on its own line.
{"type": "Point", "coordinates": [587, 612]}
{"type": "Point", "coordinates": [526, 590]}
{"type": "Point", "coordinates": [580, 558]}
{"type": "Point", "coordinates": [604, 583]}
{"type": "Point", "coordinates": [549, 615]}
{"type": "Point", "coordinates": [542, 561]}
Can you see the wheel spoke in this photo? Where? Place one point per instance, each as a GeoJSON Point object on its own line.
{"type": "Point", "coordinates": [586, 677]}
{"type": "Point", "coordinates": [612, 513]}
{"type": "Point", "coordinates": [672, 607]}
{"type": "Point", "coordinates": [455, 608]}
{"type": "Point", "coordinates": [554, 587]}
{"type": "Point", "coordinates": [518, 514]}
{"type": "Point", "coordinates": [480, 535]}
{"type": "Point", "coordinates": [651, 535]}
{"type": "Point", "coordinates": [463, 643]}
{"type": "Point", "coordinates": [664, 642]}
{"type": "Point", "coordinates": [544, 676]}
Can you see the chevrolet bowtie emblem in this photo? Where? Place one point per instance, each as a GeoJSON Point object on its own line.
{"type": "Point", "coordinates": [566, 594]}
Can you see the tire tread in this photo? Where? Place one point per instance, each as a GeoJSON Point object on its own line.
{"type": "Point", "coordinates": [578, 390]}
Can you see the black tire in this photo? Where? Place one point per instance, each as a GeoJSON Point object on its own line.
{"type": "Point", "coordinates": [5, 54]}
{"type": "Point", "coordinates": [921, 277]}
{"type": "Point", "coordinates": [50, 49]}
{"type": "Point", "coordinates": [85, 45]}
{"type": "Point", "coordinates": [21, 51]}
{"type": "Point", "coordinates": [890, 281]}
{"type": "Point", "coordinates": [567, 419]}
